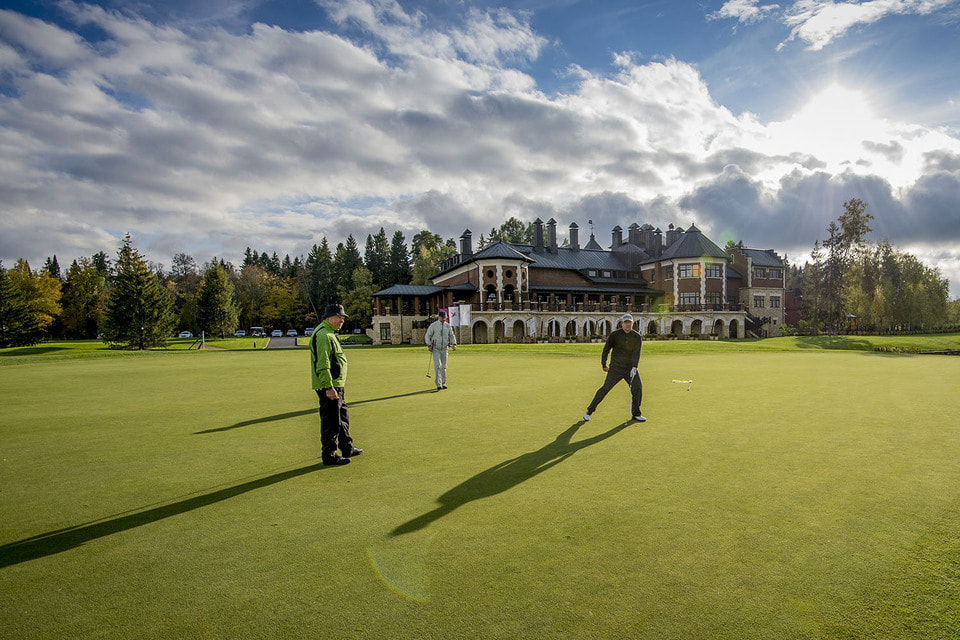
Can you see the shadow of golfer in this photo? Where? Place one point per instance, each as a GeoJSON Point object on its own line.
{"type": "Point", "coordinates": [297, 414]}
{"type": "Point", "coordinates": [400, 395]}
{"type": "Point", "coordinates": [507, 475]}
{"type": "Point", "coordinates": [53, 542]}
{"type": "Point", "coordinates": [247, 423]}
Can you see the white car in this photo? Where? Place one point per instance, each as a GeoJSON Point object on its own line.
{"type": "Point", "coordinates": [185, 334]}
{"type": "Point", "coordinates": [292, 333]}
{"type": "Point", "coordinates": [276, 333]}
{"type": "Point", "coordinates": [239, 333]}
{"type": "Point", "coordinates": [308, 331]}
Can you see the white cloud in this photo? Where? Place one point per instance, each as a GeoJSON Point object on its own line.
{"type": "Point", "coordinates": [270, 139]}
{"type": "Point", "coordinates": [819, 22]}
{"type": "Point", "coordinates": [743, 11]}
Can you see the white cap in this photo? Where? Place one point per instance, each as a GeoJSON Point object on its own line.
{"type": "Point", "coordinates": [626, 317]}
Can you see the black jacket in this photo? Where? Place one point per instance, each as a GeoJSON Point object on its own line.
{"type": "Point", "coordinates": [626, 350]}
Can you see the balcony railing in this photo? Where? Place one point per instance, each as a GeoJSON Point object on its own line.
{"type": "Point", "coordinates": [596, 307]}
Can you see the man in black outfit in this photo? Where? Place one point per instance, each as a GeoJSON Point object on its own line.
{"type": "Point", "coordinates": [625, 344]}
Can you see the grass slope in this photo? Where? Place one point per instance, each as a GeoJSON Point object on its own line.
{"type": "Point", "coordinates": [791, 493]}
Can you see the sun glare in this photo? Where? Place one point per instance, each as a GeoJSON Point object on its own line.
{"type": "Point", "coordinates": [837, 106]}
{"type": "Point", "coordinates": [835, 122]}
{"type": "Point", "coordinates": [839, 127]}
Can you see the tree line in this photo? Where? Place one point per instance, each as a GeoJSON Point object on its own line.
{"type": "Point", "coordinates": [852, 282]}
{"type": "Point", "coordinates": [132, 303]}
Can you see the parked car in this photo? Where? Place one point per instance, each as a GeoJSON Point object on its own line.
{"type": "Point", "coordinates": [258, 332]}
{"type": "Point", "coordinates": [185, 334]}
{"type": "Point", "coordinates": [276, 333]}
{"type": "Point", "coordinates": [239, 333]}
{"type": "Point", "coordinates": [292, 333]}
{"type": "Point", "coordinates": [308, 331]}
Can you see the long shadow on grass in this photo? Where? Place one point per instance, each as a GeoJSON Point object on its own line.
{"type": "Point", "coordinates": [507, 475]}
{"type": "Point", "coordinates": [53, 542]}
{"type": "Point", "coordinates": [297, 414]}
{"type": "Point", "coordinates": [247, 423]}
{"type": "Point", "coordinates": [400, 395]}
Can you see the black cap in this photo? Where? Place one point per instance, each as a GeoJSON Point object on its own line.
{"type": "Point", "coordinates": [334, 309]}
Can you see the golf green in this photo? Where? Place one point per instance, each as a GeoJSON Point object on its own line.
{"type": "Point", "coordinates": [784, 493]}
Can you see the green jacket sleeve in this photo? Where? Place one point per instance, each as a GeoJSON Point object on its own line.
{"type": "Point", "coordinates": [320, 349]}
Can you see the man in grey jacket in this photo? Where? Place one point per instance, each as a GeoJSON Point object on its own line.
{"type": "Point", "coordinates": [440, 337]}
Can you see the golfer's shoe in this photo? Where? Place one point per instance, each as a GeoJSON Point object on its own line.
{"type": "Point", "coordinates": [586, 416]}
{"type": "Point", "coordinates": [639, 418]}
{"type": "Point", "coordinates": [352, 452]}
{"type": "Point", "coordinates": [443, 386]}
{"type": "Point", "coordinates": [336, 461]}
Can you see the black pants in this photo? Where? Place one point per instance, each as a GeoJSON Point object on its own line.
{"type": "Point", "coordinates": [334, 424]}
{"type": "Point", "coordinates": [613, 377]}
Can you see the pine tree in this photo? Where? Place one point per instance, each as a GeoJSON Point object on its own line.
{"type": "Point", "coordinates": [319, 266]}
{"type": "Point", "coordinates": [217, 310]}
{"type": "Point", "coordinates": [84, 299]}
{"type": "Point", "coordinates": [399, 271]}
{"type": "Point", "coordinates": [377, 257]}
{"type": "Point", "coordinates": [345, 261]}
{"type": "Point", "coordinates": [138, 312]}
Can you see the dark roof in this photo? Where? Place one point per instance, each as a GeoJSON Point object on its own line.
{"type": "Point", "coordinates": [763, 257]}
{"type": "Point", "coordinates": [566, 258]}
{"type": "Point", "coordinates": [593, 245]}
{"type": "Point", "coordinates": [422, 289]}
{"type": "Point", "coordinates": [639, 254]}
{"type": "Point", "coordinates": [692, 244]}
{"type": "Point", "coordinates": [501, 249]}
{"type": "Point", "coordinates": [409, 290]}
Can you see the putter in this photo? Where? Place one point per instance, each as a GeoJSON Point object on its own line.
{"type": "Point", "coordinates": [429, 362]}
{"type": "Point", "coordinates": [689, 383]}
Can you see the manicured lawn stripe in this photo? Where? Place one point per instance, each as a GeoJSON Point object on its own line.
{"type": "Point", "coordinates": [792, 492]}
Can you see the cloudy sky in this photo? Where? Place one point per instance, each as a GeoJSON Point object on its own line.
{"type": "Point", "coordinates": [208, 127]}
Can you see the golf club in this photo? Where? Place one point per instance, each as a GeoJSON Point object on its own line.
{"type": "Point", "coordinates": [689, 383]}
{"type": "Point", "coordinates": [429, 362]}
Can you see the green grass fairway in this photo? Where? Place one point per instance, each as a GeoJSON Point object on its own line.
{"type": "Point", "coordinates": [792, 492]}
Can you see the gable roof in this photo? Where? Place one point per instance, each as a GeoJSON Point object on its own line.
{"type": "Point", "coordinates": [593, 245]}
{"type": "Point", "coordinates": [500, 249]}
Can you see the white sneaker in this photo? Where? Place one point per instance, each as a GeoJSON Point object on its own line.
{"type": "Point", "coordinates": [639, 418]}
{"type": "Point", "coordinates": [586, 416]}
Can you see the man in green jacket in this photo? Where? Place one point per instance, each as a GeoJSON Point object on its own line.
{"type": "Point", "coordinates": [328, 369]}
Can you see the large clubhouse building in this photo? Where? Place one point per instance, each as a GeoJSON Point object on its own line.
{"type": "Point", "coordinates": [677, 283]}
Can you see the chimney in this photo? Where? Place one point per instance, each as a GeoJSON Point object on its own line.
{"type": "Point", "coordinates": [552, 235]}
{"type": "Point", "coordinates": [657, 243]}
{"type": "Point", "coordinates": [672, 235]}
{"type": "Point", "coordinates": [617, 237]}
{"type": "Point", "coordinates": [538, 235]}
{"type": "Point", "coordinates": [574, 237]}
{"type": "Point", "coordinates": [466, 244]}
{"type": "Point", "coordinates": [633, 233]}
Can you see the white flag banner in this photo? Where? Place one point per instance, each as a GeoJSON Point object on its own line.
{"type": "Point", "coordinates": [453, 313]}
{"type": "Point", "coordinates": [464, 315]}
